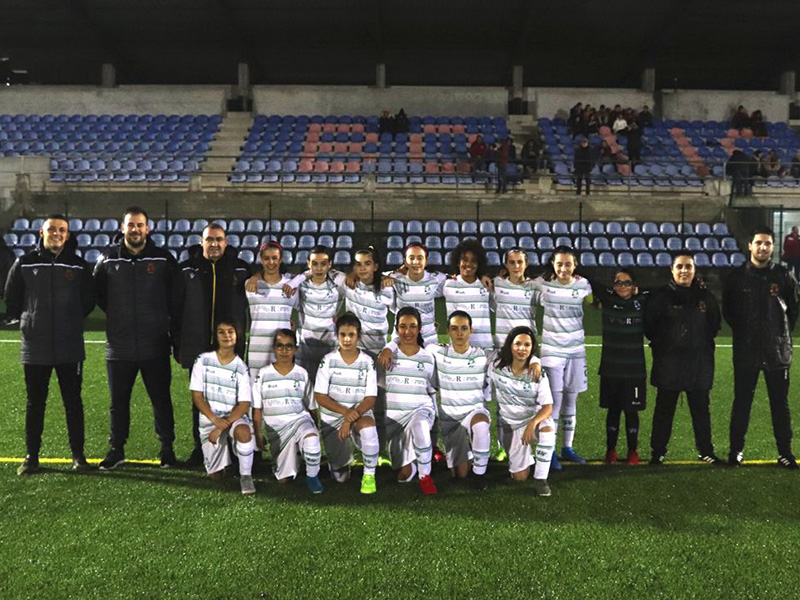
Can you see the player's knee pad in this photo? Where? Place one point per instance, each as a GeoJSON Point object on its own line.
{"type": "Point", "coordinates": [547, 438]}
{"type": "Point", "coordinates": [245, 448]}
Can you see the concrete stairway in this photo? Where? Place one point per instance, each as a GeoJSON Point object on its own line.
{"type": "Point", "coordinates": [225, 149]}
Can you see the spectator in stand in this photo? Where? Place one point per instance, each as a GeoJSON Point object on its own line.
{"type": "Point", "coordinates": [620, 126]}
{"type": "Point", "coordinates": [795, 168]}
{"type": "Point", "coordinates": [791, 251]}
{"type": "Point", "coordinates": [758, 125]}
{"type": "Point", "coordinates": [386, 123]}
{"type": "Point", "coordinates": [478, 153]}
{"type": "Point", "coordinates": [592, 123]}
{"type": "Point", "coordinates": [602, 116]}
{"type": "Point", "coordinates": [753, 166]}
{"type": "Point", "coordinates": [614, 113]}
{"type": "Point", "coordinates": [575, 115]}
{"type": "Point", "coordinates": [761, 164]}
{"type": "Point", "coordinates": [740, 119]}
{"type": "Point", "coordinates": [606, 154]}
{"type": "Point", "coordinates": [773, 164]}
{"type": "Point", "coordinates": [512, 150]}
{"type": "Point", "coordinates": [583, 165]}
{"type": "Point", "coordinates": [634, 143]}
{"type": "Point", "coordinates": [645, 117]}
{"type": "Point", "coordinates": [737, 169]}
{"type": "Point", "coordinates": [502, 165]}
{"type": "Point", "coordinates": [530, 157]}
{"type": "Point", "coordinates": [401, 122]}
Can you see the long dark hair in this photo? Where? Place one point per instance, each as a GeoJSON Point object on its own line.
{"type": "Point", "coordinates": [505, 358]}
{"type": "Point", "coordinates": [320, 249]}
{"type": "Point", "coordinates": [411, 311]}
{"type": "Point", "coordinates": [376, 258]}
{"type": "Point", "coordinates": [469, 245]}
{"type": "Point", "coordinates": [348, 318]}
{"type": "Point", "coordinates": [226, 320]}
{"type": "Point", "coordinates": [268, 245]}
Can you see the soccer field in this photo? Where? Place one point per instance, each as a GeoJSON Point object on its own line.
{"type": "Point", "coordinates": [684, 530]}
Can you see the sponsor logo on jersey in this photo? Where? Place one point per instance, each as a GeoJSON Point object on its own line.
{"type": "Point", "coordinates": [151, 268]}
{"type": "Point", "coordinates": [69, 274]}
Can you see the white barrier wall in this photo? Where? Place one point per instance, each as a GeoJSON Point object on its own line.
{"type": "Point", "coordinates": [556, 102]}
{"type": "Point", "coordinates": [719, 105]}
{"type": "Point", "coordinates": [360, 100]}
{"type": "Point", "coordinates": [132, 99]}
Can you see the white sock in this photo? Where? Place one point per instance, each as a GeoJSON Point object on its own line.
{"type": "Point", "coordinates": [245, 450]}
{"type": "Point", "coordinates": [421, 438]}
{"type": "Point", "coordinates": [568, 418]}
{"type": "Point", "coordinates": [312, 452]}
{"type": "Point", "coordinates": [544, 452]}
{"type": "Point", "coordinates": [369, 449]}
{"type": "Point", "coordinates": [481, 442]}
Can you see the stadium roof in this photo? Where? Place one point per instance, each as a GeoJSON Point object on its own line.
{"type": "Point", "coordinates": [736, 44]}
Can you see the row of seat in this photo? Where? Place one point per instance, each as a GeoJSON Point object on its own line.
{"type": "Point", "coordinates": [629, 228]}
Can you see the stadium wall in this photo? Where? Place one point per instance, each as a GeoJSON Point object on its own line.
{"type": "Point", "coordinates": [713, 105]}
{"type": "Point", "coordinates": [130, 99]}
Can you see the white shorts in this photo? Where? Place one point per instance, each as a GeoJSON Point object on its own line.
{"type": "Point", "coordinates": [286, 451]}
{"type": "Point", "coordinates": [520, 456]}
{"type": "Point", "coordinates": [398, 437]}
{"type": "Point", "coordinates": [338, 451]}
{"type": "Point", "coordinates": [566, 374]}
{"type": "Point", "coordinates": [218, 456]}
{"type": "Point", "coordinates": [457, 436]}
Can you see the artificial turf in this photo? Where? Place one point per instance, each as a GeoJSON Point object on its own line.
{"type": "Point", "coordinates": [684, 530]}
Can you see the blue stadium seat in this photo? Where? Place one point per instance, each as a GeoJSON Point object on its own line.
{"type": "Point", "coordinates": [174, 241]}
{"type": "Point", "coordinates": [306, 242]}
{"type": "Point", "coordinates": [435, 258]}
{"type": "Point", "coordinates": [596, 228]}
{"type": "Point", "coordinates": [327, 226]}
{"type": "Point", "coordinates": [720, 229]}
{"type": "Point", "coordinates": [433, 242]}
{"type": "Point", "coordinates": [346, 226]}
{"type": "Point", "coordinates": [606, 259]}
{"type": "Point", "coordinates": [250, 242]}
{"type": "Point", "coordinates": [588, 259]}
{"type": "Point", "coordinates": [737, 259]}
{"type": "Point", "coordinates": [701, 260]}
{"type": "Point", "coordinates": [493, 259]}
{"type": "Point", "coordinates": [541, 228]}
{"type": "Point", "coordinates": [450, 227]}
{"type": "Point", "coordinates": [469, 228]}
{"type": "Point", "coordinates": [600, 243]}
{"type": "Point", "coordinates": [234, 241]}
{"type": "Point", "coordinates": [395, 242]}
{"type": "Point", "coordinates": [656, 244]}
{"type": "Point", "coordinates": [309, 226]}
{"type": "Point", "coordinates": [619, 243]}
{"type": "Point", "coordinates": [288, 241]}
{"type": "Point", "coordinates": [524, 228]}
{"type": "Point", "coordinates": [291, 226]}
{"type": "Point", "coordinates": [545, 243]}
{"type": "Point", "coordinates": [644, 259]}
{"type": "Point", "coordinates": [344, 242]}
{"type": "Point", "coordinates": [450, 242]}
{"type": "Point", "coordinates": [729, 244]}
{"type": "Point", "coordinates": [487, 228]}
{"type": "Point", "coordinates": [341, 257]}
{"type": "Point", "coordinates": [394, 259]}
{"type": "Point", "coordinates": [631, 228]}
{"type": "Point", "coordinates": [433, 227]}
{"type": "Point", "coordinates": [489, 242]}
{"type": "Point", "coordinates": [414, 227]}
{"type": "Point", "coordinates": [199, 225]}
{"type": "Point", "coordinates": [560, 228]}
{"type": "Point", "coordinates": [236, 226]}
{"type": "Point", "coordinates": [396, 227]}
{"type": "Point", "coordinates": [92, 256]}
{"type": "Point", "coordinates": [247, 256]}
{"type": "Point", "coordinates": [325, 240]}
{"type": "Point", "coordinates": [638, 243]}
{"type": "Point", "coordinates": [663, 260]}
{"type": "Point", "coordinates": [625, 259]}
{"type": "Point", "coordinates": [255, 226]}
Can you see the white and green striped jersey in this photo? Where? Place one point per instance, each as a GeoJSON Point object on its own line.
{"type": "Point", "coordinates": [421, 295]}
{"type": "Point", "coordinates": [270, 310]}
{"type": "Point", "coordinates": [410, 385]}
{"type": "Point", "coordinates": [461, 379]}
{"type": "Point", "coordinates": [222, 386]}
{"type": "Point", "coordinates": [473, 299]}
{"type": "Point", "coordinates": [562, 326]}
{"type": "Point", "coordinates": [518, 398]}
{"type": "Point", "coordinates": [346, 384]}
{"type": "Point", "coordinates": [318, 306]}
{"type": "Point", "coordinates": [513, 307]}
{"type": "Point", "coordinates": [284, 399]}
{"type": "Point", "coordinates": [373, 311]}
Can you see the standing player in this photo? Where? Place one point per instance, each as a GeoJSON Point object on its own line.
{"type": "Point", "coordinates": [410, 402]}
{"type": "Point", "coordinates": [525, 409]}
{"type": "Point", "coordinates": [370, 301]}
{"type": "Point", "coordinates": [468, 293]}
{"type": "Point", "coordinates": [461, 372]}
{"type": "Point", "coordinates": [282, 398]}
{"type": "Point", "coordinates": [513, 297]}
{"type": "Point", "coordinates": [50, 291]}
{"type": "Point", "coordinates": [270, 307]}
{"type": "Point", "coordinates": [561, 293]}
{"type": "Point", "coordinates": [137, 284]}
{"type": "Point", "coordinates": [623, 373]}
{"type": "Point", "coordinates": [220, 387]}
{"type": "Point", "coordinates": [345, 390]}
{"type": "Point", "coordinates": [760, 302]}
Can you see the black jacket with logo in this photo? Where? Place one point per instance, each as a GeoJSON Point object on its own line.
{"type": "Point", "coordinates": [51, 296]}
{"type": "Point", "coordinates": [199, 276]}
{"type": "Point", "coordinates": [761, 307]}
{"type": "Point", "coordinates": [681, 323]}
{"type": "Point", "coordinates": [139, 296]}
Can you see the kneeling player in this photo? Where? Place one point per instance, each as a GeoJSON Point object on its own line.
{"type": "Point", "coordinates": [410, 403]}
{"type": "Point", "coordinates": [282, 398]}
{"type": "Point", "coordinates": [463, 416]}
{"type": "Point", "coordinates": [345, 389]}
{"type": "Point", "coordinates": [220, 387]}
{"type": "Point", "coordinates": [524, 411]}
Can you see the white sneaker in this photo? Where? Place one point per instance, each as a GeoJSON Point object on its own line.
{"type": "Point", "coordinates": [248, 487]}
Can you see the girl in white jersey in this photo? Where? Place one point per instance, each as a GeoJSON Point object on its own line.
{"type": "Point", "coordinates": [513, 297]}
{"type": "Point", "coordinates": [346, 390]}
{"type": "Point", "coordinates": [525, 409]}
{"type": "Point", "coordinates": [370, 299]}
{"type": "Point", "coordinates": [270, 307]}
{"type": "Point", "coordinates": [561, 293]}
{"type": "Point", "coordinates": [410, 403]}
{"type": "Point", "coordinates": [282, 398]}
{"type": "Point", "coordinates": [220, 386]}
{"type": "Point", "coordinates": [468, 293]}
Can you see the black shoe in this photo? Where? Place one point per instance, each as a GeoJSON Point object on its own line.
{"type": "Point", "coordinates": [735, 459]}
{"type": "Point", "coordinates": [167, 456]}
{"type": "Point", "coordinates": [711, 459]}
{"type": "Point", "coordinates": [657, 459]}
{"type": "Point", "coordinates": [787, 461]}
{"type": "Point", "coordinates": [195, 458]}
{"type": "Point", "coordinates": [114, 458]}
{"type": "Point", "coordinates": [29, 466]}
{"type": "Point", "coordinates": [479, 482]}
{"type": "Point", "coordinates": [79, 464]}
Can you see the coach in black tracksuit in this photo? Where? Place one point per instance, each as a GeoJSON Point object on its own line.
{"type": "Point", "coordinates": [135, 282]}
{"type": "Point", "coordinates": [681, 320]}
{"type": "Point", "coordinates": [760, 302]}
{"type": "Point", "coordinates": [50, 291]}
{"type": "Point", "coordinates": [213, 280]}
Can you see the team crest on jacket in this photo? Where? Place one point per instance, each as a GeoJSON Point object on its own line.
{"type": "Point", "coordinates": [116, 267]}
{"type": "Point", "coordinates": [702, 306]}
{"type": "Point", "coordinates": [774, 290]}
{"type": "Point", "coordinates": [151, 268]}
{"type": "Point", "coordinates": [69, 274]}
{"type": "Point", "coordinates": [36, 271]}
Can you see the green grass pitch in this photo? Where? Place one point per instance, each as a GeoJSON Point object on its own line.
{"type": "Point", "coordinates": [681, 531]}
